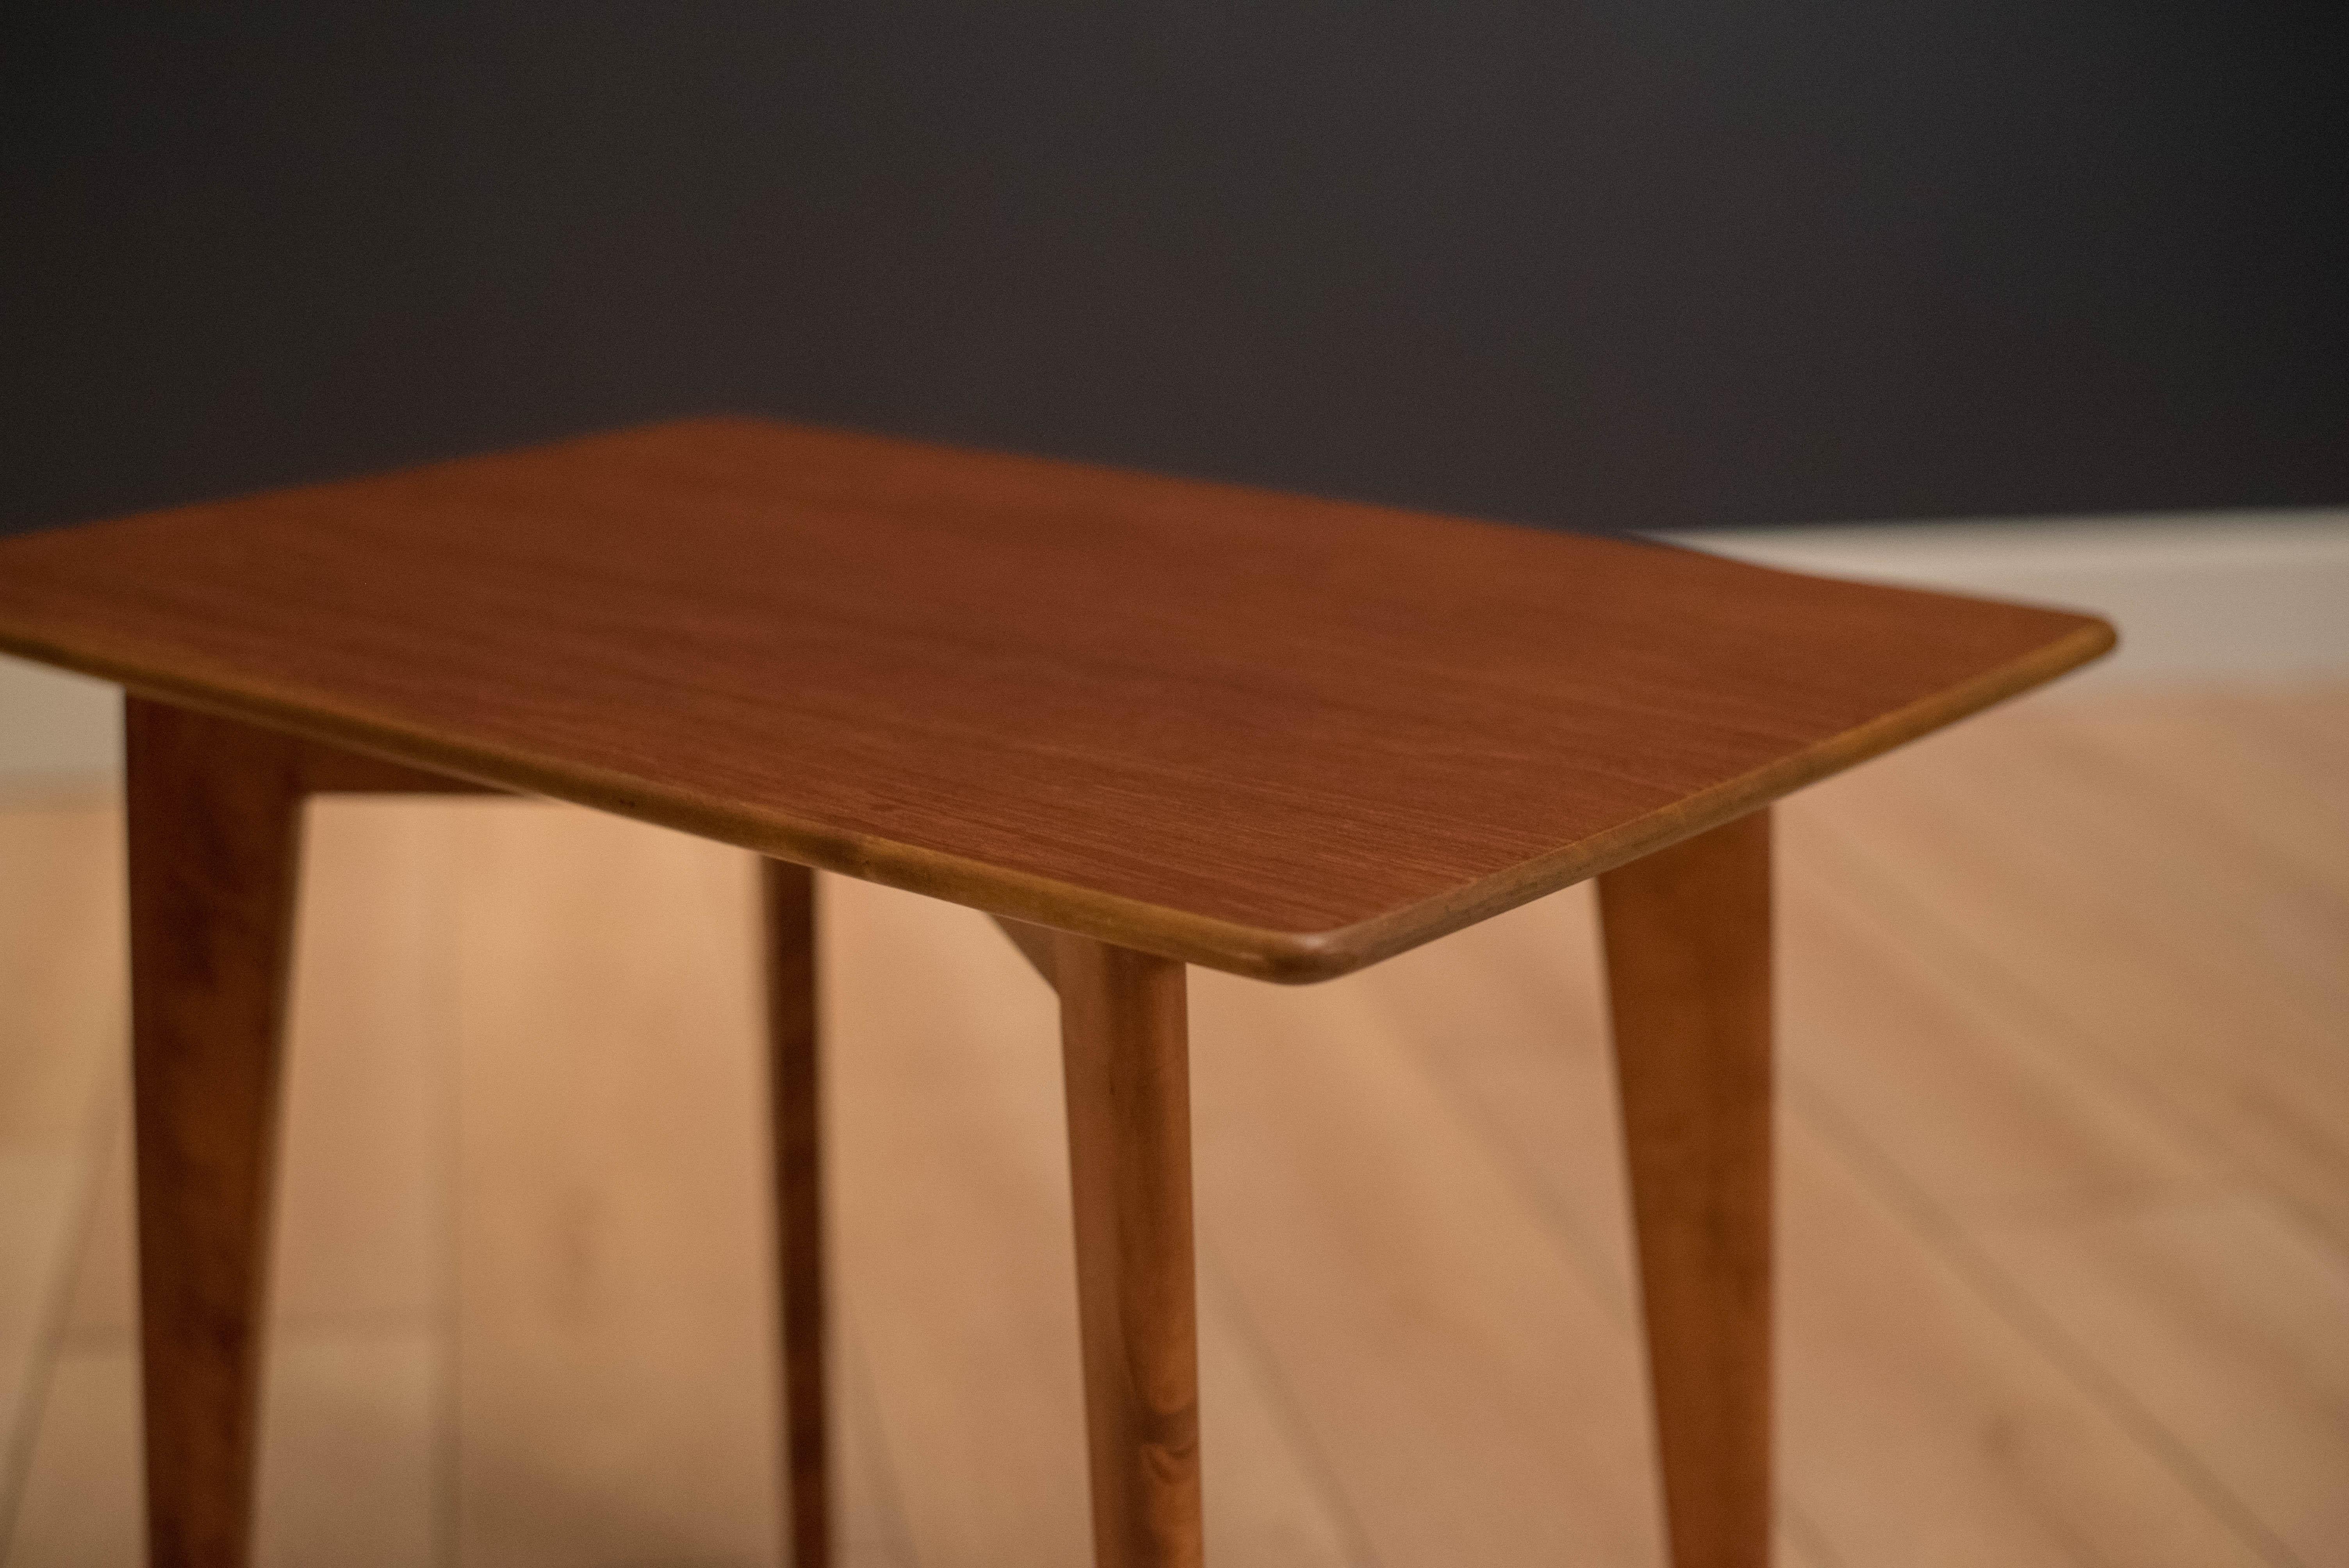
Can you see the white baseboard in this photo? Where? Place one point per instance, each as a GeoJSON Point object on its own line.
{"type": "Point", "coordinates": [2204, 596]}
{"type": "Point", "coordinates": [2201, 597]}
{"type": "Point", "coordinates": [57, 727]}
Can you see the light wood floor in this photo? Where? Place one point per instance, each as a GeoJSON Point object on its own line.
{"type": "Point", "coordinates": [2064, 1165]}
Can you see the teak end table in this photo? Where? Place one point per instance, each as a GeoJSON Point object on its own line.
{"type": "Point", "coordinates": [1144, 722]}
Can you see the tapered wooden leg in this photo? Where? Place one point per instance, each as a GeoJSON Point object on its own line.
{"type": "Point", "coordinates": [214, 819]}
{"type": "Point", "coordinates": [1688, 971]}
{"type": "Point", "coordinates": [1126, 1054]}
{"type": "Point", "coordinates": [790, 898]}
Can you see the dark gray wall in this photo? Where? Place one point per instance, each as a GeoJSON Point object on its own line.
{"type": "Point", "coordinates": [1646, 263]}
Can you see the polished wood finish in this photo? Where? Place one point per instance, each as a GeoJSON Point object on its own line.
{"type": "Point", "coordinates": [214, 818]}
{"type": "Point", "coordinates": [1688, 981]}
{"type": "Point", "coordinates": [214, 812]}
{"type": "Point", "coordinates": [1169, 721]}
{"type": "Point", "coordinates": [1272, 735]}
{"type": "Point", "coordinates": [1125, 1054]}
{"type": "Point", "coordinates": [331, 770]}
{"type": "Point", "coordinates": [789, 898]}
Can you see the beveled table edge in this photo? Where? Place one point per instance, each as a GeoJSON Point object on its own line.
{"type": "Point", "coordinates": [1282, 956]}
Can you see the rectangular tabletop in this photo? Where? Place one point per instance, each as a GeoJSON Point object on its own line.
{"type": "Point", "coordinates": [1269, 734]}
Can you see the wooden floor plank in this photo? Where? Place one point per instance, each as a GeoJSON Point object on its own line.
{"type": "Point", "coordinates": [352, 1430]}
{"type": "Point", "coordinates": [62, 1022]}
{"type": "Point", "coordinates": [61, 969]}
{"type": "Point", "coordinates": [2180, 1010]}
{"type": "Point", "coordinates": [363, 1197]}
{"type": "Point", "coordinates": [616, 1364]}
{"type": "Point", "coordinates": [2254, 766]}
{"type": "Point", "coordinates": [41, 1203]}
{"type": "Point", "coordinates": [347, 1476]}
{"type": "Point", "coordinates": [1517, 1007]}
{"type": "Point", "coordinates": [953, 1257]}
{"type": "Point", "coordinates": [2103, 798]}
{"type": "Point", "coordinates": [2306, 730]}
{"type": "Point", "coordinates": [1982, 1113]}
{"type": "Point", "coordinates": [2231, 1328]}
{"type": "Point", "coordinates": [1923, 1428]}
{"type": "Point", "coordinates": [2132, 1337]}
{"type": "Point", "coordinates": [1917, 1419]}
{"type": "Point", "coordinates": [82, 1504]}
{"type": "Point", "coordinates": [871, 1518]}
{"type": "Point", "coordinates": [1476, 1398]}
{"type": "Point", "coordinates": [2148, 869]}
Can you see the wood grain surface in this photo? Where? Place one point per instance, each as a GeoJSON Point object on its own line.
{"type": "Point", "coordinates": [787, 904]}
{"type": "Point", "coordinates": [1688, 984]}
{"type": "Point", "coordinates": [214, 815]}
{"type": "Point", "coordinates": [213, 812]}
{"type": "Point", "coordinates": [1268, 734]}
{"type": "Point", "coordinates": [1125, 1048]}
